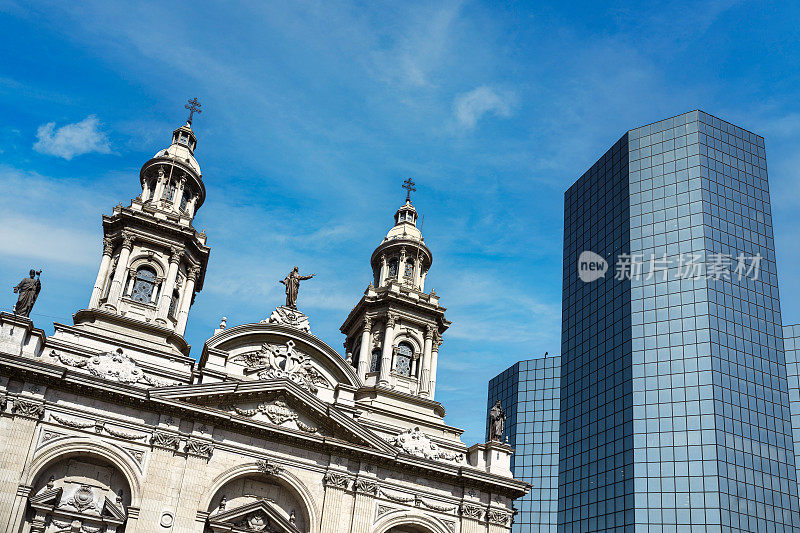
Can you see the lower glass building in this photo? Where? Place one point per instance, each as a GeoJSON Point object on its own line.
{"type": "Point", "coordinates": [529, 392]}
{"type": "Point", "coordinates": [791, 346]}
{"type": "Point", "coordinates": [674, 394]}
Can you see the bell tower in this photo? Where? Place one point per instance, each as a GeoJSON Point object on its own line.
{"type": "Point", "coordinates": [395, 330]}
{"type": "Point", "coordinates": [154, 261]}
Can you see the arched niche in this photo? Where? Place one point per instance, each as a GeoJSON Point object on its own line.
{"type": "Point", "coordinates": [409, 522]}
{"type": "Point", "coordinates": [245, 492]}
{"type": "Point", "coordinates": [79, 491]}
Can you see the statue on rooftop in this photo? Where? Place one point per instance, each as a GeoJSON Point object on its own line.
{"type": "Point", "coordinates": [28, 290]}
{"type": "Point", "coordinates": [497, 420]}
{"type": "Point", "coordinates": [292, 283]}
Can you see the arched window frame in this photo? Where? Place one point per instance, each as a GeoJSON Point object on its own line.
{"type": "Point", "coordinates": [145, 285]}
{"type": "Point", "coordinates": [404, 359]}
{"type": "Point", "coordinates": [146, 260]}
{"type": "Point", "coordinates": [394, 267]}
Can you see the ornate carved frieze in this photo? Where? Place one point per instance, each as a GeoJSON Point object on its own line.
{"type": "Point", "coordinates": [367, 486]}
{"type": "Point", "coordinates": [496, 516]}
{"type": "Point", "coordinates": [269, 468]}
{"type": "Point", "coordinates": [471, 511]}
{"type": "Point", "coordinates": [120, 434]}
{"type": "Point", "coordinates": [414, 442]}
{"type": "Point", "coordinates": [199, 448]}
{"type": "Point", "coordinates": [28, 409]}
{"type": "Point", "coordinates": [336, 479]}
{"type": "Point", "coordinates": [162, 439]}
{"type": "Point", "coordinates": [75, 424]}
{"type": "Point", "coordinates": [278, 412]}
{"type": "Point", "coordinates": [274, 361]}
{"type": "Point", "coordinates": [398, 498]}
{"type": "Point", "coordinates": [435, 507]}
{"type": "Point", "coordinates": [289, 317]}
{"type": "Point", "coordinates": [113, 366]}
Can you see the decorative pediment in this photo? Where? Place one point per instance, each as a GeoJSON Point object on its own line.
{"type": "Point", "coordinates": [259, 517]}
{"type": "Point", "coordinates": [113, 366]}
{"type": "Point", "coordinates": [278, 403]}
{"type": "Point", "coordinates": [415, 442]}
{"type": "Point", "coordinates": [275, 361]}
{"type": "Point", "coordinates": [289, 317]}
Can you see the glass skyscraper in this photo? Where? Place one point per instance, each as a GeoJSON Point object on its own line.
{"type": "Point", "coordinates": [791, 346]}
{"type": "Point", "coordinates": [529, 392]}
{"type": "Point", "coordinates": [674, 394]}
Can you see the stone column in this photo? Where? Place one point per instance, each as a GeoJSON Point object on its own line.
{"type": "Point", "coordinates": [417, 271]}
{"type": "Point", "coordinates": [425, 373]}
{"type": "Point", "coordinates": [17, 444]}
{"type": "Point", "coordinates": [366, 490]}
{"type": "Point", "coordinates": [364, 355]}
{"type": "Point", "coordinates": [198, 454]}
{"type": "Point", "coordinates": [434, 356]}
{"type": "Point", "coordinates": [112, 302]}
{"type": "Point", "coordinates": [190, 205]}
{"type": "Point", "coordinates": [161, 180]}
{"type": "Point", "coordinates": [384, 271]}
{"type": "Point", "coordinates": [186, 299]}
{"type": "Point", "coordinates": [386, 356]}
{"type": "Point", "coordinates": [145, 189]}
{"type": "Point", "coordinates": [335, 486]}
{"type": "Point", "coordinates": [102, 274]}
{"type": "Point", "coordinates": [401, 270]}
{"type": "Point", "coordinates": [176, 200]}
{"type": "Point", "coordinates": [423, 275]}
{"type": "Point", "coordinates": [169, 285]}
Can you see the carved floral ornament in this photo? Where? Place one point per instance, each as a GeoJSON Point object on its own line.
{"type": "Point", "coordinates": [414, 442]}
{"type": "Point", "coordinates": [278, 412]}
{"type": "Point", "coordinates": [274, 361]}
{"type": "Point", "coordinates": [113, 366]}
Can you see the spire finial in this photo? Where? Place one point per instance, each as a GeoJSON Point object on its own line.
{"type": "Point", "coordinates": [409, 186]}
{"type": "Point", "coordinates": [193, 106]}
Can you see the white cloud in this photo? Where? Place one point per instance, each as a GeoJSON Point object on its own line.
{"type": "Point", "coordinates": [470, 107]}
{"type": "Point", "coordinates": [73, 139]}
{"type": "Point", "coordinates": [52, 244]}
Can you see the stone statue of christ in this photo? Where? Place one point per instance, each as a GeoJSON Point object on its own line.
{"type": "Point", "coordinates": [292, 282]}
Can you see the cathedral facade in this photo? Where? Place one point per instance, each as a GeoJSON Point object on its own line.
{"type": "Point", "coordinates": [111, 426]}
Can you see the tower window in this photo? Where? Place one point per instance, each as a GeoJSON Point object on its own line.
{"type": "Point", "coordinates": [185, 199]}
{"type": "Point", "coordinates": [173, 304]}
{"type": "Point", "coordinates": [144, 285]}
{"type": "Point", "coordinates": [409, 273]}
{"type": "Point", "coordinates": [375, 361]}
{"type": "Point", "coordinates": [393, 265]}
{"type": "Point", "coordinates": [403, 359]}
{"type": "Point", "coordinates": [169, 191]}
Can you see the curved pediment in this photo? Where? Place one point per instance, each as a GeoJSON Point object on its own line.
{"type": "Point", "coordinates": [268, 351]}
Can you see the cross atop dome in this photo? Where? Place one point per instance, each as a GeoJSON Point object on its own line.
{"type": "Point", "coordinates": [408, 185]}
{"type": "Point", "coordinates": [193, 106]}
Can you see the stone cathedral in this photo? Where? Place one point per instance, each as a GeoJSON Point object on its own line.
{"type": "Point", "coordinates": [111, 426]}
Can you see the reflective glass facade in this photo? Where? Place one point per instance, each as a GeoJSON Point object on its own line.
{"type": "Point", "coordinates": [675, 399]}
{"type": "Point", "coordinates": [791, 346]}
{"type": "Point", "coordinates": [529, 392]}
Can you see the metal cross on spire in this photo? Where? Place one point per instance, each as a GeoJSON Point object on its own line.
{"type": "Point", "coordinates": [409, 186]}
{"type": "Point", "coordinates": [193, 106]}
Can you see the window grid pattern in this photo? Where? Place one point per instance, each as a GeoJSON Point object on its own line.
{"type": "Point", "coordinates": [595, 485]}
{"type": "Point", "coordinates": [529, 392]}
{"type": "Point", "coordinates": [712, 434]}
{"type": "Point", "coordinates": [791, 346]}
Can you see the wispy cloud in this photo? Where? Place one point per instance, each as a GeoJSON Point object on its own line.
{"type": "Point", "coordinates": [71, 140]}
{"type": "Point", "coordinates": [470, 107]}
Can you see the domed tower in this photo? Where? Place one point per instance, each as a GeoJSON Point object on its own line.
{"type": "Point", "coordinates": [394, 332]}
{"type": "Point", "coordinates": [154, 261]}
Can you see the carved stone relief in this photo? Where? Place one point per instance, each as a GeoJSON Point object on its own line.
{"type": "Point", "coordinates": [275, 361]}
{"type": "Point", "coordinates": [113, 366]}
{"type": "Point", "coordinates": [278, 412]}
{"type": "Point", "coordinates": [414, 442]}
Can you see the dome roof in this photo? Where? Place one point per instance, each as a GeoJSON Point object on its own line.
{"type": "Point", "coordinates": [182, 148]}
{"type": "Point", "coordinates": [405, 224]}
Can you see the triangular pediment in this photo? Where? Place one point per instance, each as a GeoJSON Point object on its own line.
{"type": "Point", "coordinates": [113, 512]}
{"type": "Point", "coordinates": [47, 497]}
{"type": "Point", "coordinates": [279, 403]}
{"type": "Point", "coordinates": [257, 516]}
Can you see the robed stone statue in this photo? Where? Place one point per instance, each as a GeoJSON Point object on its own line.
{"type": "Point", "coordinates": [497, 421]}
{"type": "Point", "coordinates": [28, 290]}
{"type": "Point", "coordinates": [292, 282]}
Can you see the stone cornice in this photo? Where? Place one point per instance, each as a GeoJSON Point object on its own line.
{"type": "Point", "coordinates": [58, 377]}
{"type": "Point", "coordinates": [367, 392]}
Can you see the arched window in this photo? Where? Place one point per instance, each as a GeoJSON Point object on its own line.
{"type": "Point", "coordinates": [393, 265]}
{"type": "Point", "coordinates": [185, 199]}
{"type": "Point", "coordinates": [375, 361]}
{"type": "Point", "coordinates": [169, 191]}
{"type": "Point", "coordinates": [403, 359]}
{"type": "Point", "coordinates": [144, 285]}
{"type": "Point", "coordinates": [409, 273]}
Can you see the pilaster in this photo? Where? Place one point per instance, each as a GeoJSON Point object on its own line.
{"type": "Point", "coordinates": [336, 483]}
{"type": "Point", "coordinates": [366, 490]}
{"type": "Point", "coordinates": [386, 356]}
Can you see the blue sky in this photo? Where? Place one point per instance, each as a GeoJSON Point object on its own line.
{"type": "Point", "coordinates": [314, 113]}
